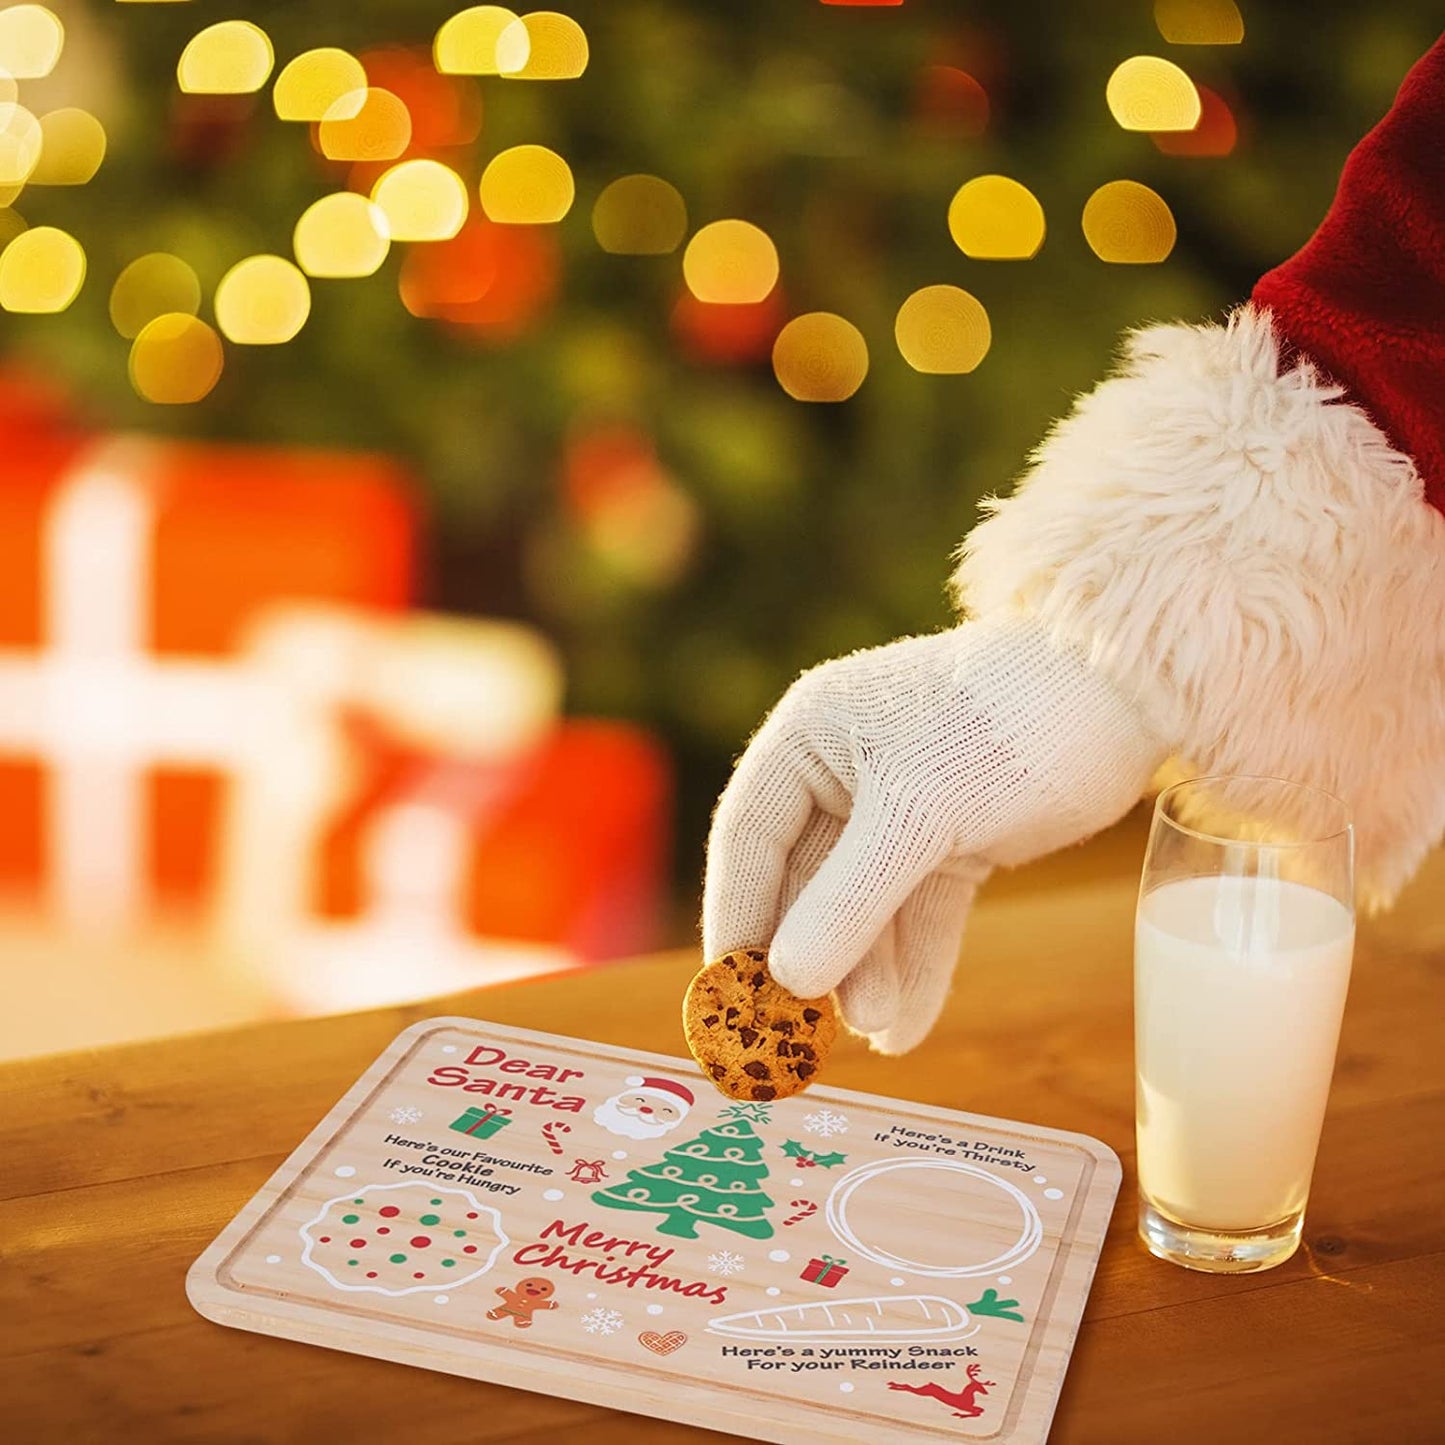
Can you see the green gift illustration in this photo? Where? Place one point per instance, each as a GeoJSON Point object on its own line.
{"type": "Point", "coordinates": [482, 1123]}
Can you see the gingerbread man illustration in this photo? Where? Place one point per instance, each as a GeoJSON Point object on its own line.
{"type": "Point", "coordinates": [523, 1300]}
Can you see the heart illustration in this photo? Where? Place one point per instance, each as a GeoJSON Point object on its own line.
{"type": "Point", "coordinates": [662, 1344]}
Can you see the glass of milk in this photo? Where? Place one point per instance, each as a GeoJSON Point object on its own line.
{"type": "Point", "coordinates": [1243, 941]}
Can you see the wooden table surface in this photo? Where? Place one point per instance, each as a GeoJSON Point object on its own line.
{"type": "Point", "coordinates": [117, 1167]}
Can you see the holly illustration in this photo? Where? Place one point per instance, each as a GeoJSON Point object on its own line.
{"type": "Point", "coordinates": [990, 1304]}
{"type": "Point", "coordinates": [806, 1158]}
{"type": "Point", "coordinates": [715, 1179]}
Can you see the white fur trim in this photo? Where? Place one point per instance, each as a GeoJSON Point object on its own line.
{"type": "Point", "coordinates": [1249, 557]}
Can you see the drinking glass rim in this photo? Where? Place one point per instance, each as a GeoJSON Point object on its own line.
{"type": "Point", "coordinates": [1347, 831]}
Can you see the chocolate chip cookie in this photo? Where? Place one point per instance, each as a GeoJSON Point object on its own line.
{"type": "Point", "coordinates": [753, 1038]}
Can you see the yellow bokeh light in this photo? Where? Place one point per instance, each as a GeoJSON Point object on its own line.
{"type": "Point", "coordinates": [21, 141]}
{"type": "Point", "coordinates": [467, 43]}
{"type": "Point", "coordinates": [527, 186]}
{"type": "Point", "coordinates": [341, 235]}
{"type": "Point", "coordinates": [1147, 92]}
{"type": "Point", "coordinates": [639, 216]}
{"type": "Point", "coordinates": [152, 286]}
{"type": "Point", "coordinates": [262, 301]}
{"type": "Point", "coordinates": [820, 357]}
{"type": "Point", "coordinates": [41, 270]}
{"type": "Point", "coordinates": [1127, 223]}
{"type": "Point", "coordinates": [72, 148]}
{"type": "Point", "coordinates": [542, 46]}
{"type": "Point", "coordinates": [176, 359]}
{"type": "Point", "coordinates": [1199, 22]}
{"type": "Point", "coordinates": [233, 57]}
{"type": "Point", "coordinates": [31, 38]}
{"type": "Point", "coordinates": [422, 201]}
{"type": "Point", "coordinates": [373, 125]}
{"type": "Point", "coordinates": [994, 218]}
{"type": "Point", "coordinates": [730, 263]}
{"type": "Point", "coordinates": [943, 330]}
{"type": "Point", "coordinates": [315, 81]}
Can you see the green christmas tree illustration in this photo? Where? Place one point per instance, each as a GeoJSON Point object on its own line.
{"type": "Point", "coordinates": [715, 1178]}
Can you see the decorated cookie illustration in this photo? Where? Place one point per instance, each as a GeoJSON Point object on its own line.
{"type": "Point", "coordinates": [523, 1299]}
{"type": "Point", "coordinates": [397, 1239]}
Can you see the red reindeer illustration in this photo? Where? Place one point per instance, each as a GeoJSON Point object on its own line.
{"type": "Point", "coordinates": [964, 1402]}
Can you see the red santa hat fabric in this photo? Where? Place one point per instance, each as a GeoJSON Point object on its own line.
{"type": "Point", "coordinates": [674, 1093]}
{"type": "Point", "coordinates": [1365, 298]}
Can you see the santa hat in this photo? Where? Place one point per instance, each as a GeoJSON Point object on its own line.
{"type": "Point", "coordinates": [671, 1093]}
{"type": "Point", "coordinates": [1244, 527]}
{"type": "Point", "coordinates": [1365, 299]}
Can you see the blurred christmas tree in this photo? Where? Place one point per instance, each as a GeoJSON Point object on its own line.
{"type": "Point", "coordinates": [605, 452]}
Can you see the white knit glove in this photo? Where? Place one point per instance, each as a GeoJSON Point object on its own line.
{"type": "Point", "coordinates": [884, 787]}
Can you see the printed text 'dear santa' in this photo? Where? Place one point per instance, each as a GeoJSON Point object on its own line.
{"type": "Point", "coordinates": [485, 1056]}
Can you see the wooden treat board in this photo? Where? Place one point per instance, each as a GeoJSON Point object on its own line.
{"type": "Point", "coordinates": [833, 1267]}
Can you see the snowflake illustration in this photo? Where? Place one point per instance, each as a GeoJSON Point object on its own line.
{"type": "Point", "coordinates": [601, 1321]}
{"type": "Point", "coordinates": [826, 1123]}
{"type": "Point", "coordinates": [405, 1114]}
{"type": "Point", "coordinates": [724, 1262]}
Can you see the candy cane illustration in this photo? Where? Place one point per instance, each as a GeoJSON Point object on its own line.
{"type": "Point", "coordinates": [806, 1209]}
{"type": "Point", "coordinates": [550, 1130]}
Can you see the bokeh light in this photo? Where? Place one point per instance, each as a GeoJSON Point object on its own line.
{"type": "Point", "coordinates": [176, 359]}
{"type": "Point", "coordinates": [1199, 22]}
{"type": "Point", "coordinates": [21, 141]}
{"type": "Point", "coordinates": [527, 185]}
{"type": "Point", "coordinates": [493, 281]}
{"type": "Point", "coordinates": [1127, 223]}
{"type": "Point", "coordinates": [950, 102]}
{"type": "Point", "coordinates": [312, 84]}
{"type": "Point", "coordinates": [820, 357]}
{"type": "Point", "coordinates": [342, 234]}
{"type": "Point", "coordinates": [1147, 92]}
{"type": "Point", "coordinates": [372, 126]}
{"type": "Point", "coordinates": [542, 46]}
{"type": "Point", "coordinates": [730, 263]}
{"type": "Point", "coordinates": [639, 216]}
{"type": "Point", "coordinates": [995, 218]}
{"type": "Point", "coordinates": [943, 330]}
{"type": "Point", "coordinates": [71, 150]}
{"type": "Point", "coordinates": [232, 57]}
{"type": "Point", "coordinates": [446, 110]}
{"type": "Point", "coordinates": [151, 286]}
{"type": "Point", "coordinates": [41, 270]}
{"type": "Point", "coordinates": [262, 301]}
{"type": "Point", "coordinates": [467, 43]}
{"type": "Point", "coordinates": [31, 38]}
{"type": "Point", "coordinates": [422, 200]}
{"type": "Point", "coordinates": [729, 335]}
{"type": "Point", "coordinates": [1216, 134]}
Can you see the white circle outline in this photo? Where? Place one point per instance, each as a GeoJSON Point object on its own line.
{"type": "Point", "coordinates": [837, 1215]}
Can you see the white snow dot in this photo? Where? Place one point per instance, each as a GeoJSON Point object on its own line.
{"type": "Point", "coordinates": [1005, 1279]}
{"type": "Point", "coordinates": [449, 1048]}
{"type": "Point", "coordinates": [846, 1387]}
{"type": "Point", "coordinates": [779, 1256]}
{"type": "Point", "coordinates": [1039, 1179]}
{"type": "Point", "coordinates": [346, 1171]}
{"type": "Point", "coordinates": [273, 1259]}
{"type": "Point", "coordinates": [441, 1299]}
{"type": "Point", "coordinates": [619, 1153]}
{"type": "Point", "coordinates": [895, 1281]}
{"type": "Point", "coordinates": [654, 1309]}
{"type": "Point", "coordinates": [553, 1194]}
{"type": "Point", "coordinates": [1053, 1193]}
{"type": "Point", "coordinates": [796, 1183]}
{"type": "Point", "coordinates": [773, 1289]}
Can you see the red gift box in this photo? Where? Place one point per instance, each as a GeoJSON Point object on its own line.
{"type": "Point", "coordinates": [826, 1271]}
{"type": "Point", "coordinates": [129, 571]}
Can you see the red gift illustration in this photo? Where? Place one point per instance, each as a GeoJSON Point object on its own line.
{"type": "Point", "coordinates": [825, 1271]}
{"type": "Point", "coordinates": [482, 1123]}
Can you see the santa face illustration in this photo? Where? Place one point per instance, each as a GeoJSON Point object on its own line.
{"type": "Point", "coordinates": [646, 1109]}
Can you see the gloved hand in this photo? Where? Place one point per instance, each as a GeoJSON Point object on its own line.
{"type": "Point", "coordinates": [884, 787]}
